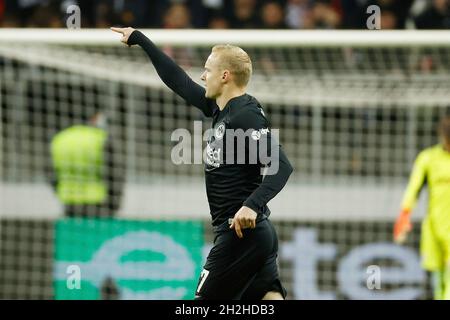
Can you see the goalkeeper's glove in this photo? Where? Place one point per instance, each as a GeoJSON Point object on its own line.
{"type": "Point", "coordinates": [402, 226]}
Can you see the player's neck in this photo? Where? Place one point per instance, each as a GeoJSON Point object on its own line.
{"type": "Point", "coordinates": [446, 147]}
{"type": "Point", "coordinates": [445, 144]}
{"type": "Point", "coordinates": [227, 95]}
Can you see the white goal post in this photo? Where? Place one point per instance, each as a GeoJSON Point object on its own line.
{"type": "Point", "coordinates": [259, 38]}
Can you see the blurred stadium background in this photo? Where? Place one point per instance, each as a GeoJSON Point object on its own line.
{"type": "Point", "coordinates": [353, 108]}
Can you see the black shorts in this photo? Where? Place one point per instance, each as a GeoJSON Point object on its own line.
{"type": "Point", "coordinates": [242, 268]}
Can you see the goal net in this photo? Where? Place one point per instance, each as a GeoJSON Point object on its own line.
{"type": "Point", "coordinates": [353, 108]}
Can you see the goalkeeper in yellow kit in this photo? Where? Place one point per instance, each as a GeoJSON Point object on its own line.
{"type": "Point", "coordinates": [431, 167]}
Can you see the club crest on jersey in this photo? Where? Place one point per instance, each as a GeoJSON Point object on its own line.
{"type": "Point", "coordinates": [220, 131]}
{"type": "Point", "coordinates": [256, 134]}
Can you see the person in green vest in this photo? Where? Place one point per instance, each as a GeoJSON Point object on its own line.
{"type": "Point", "coordinates": [87, 171]}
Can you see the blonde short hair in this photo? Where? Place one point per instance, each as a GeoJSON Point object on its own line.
{"type": "Point", "coordinates": [236, 60]}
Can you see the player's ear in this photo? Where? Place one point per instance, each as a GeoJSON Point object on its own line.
{"type": "Point", "coordinates": [225, 75]}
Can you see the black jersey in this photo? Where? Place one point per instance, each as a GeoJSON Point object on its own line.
{"type": "Point", "coordinates": [233, 172]}
{"type": "Point", "coordinates": [233, 166]}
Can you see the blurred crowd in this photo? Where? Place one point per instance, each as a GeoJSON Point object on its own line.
{"type": "Point", "coordinates": [223, 14]}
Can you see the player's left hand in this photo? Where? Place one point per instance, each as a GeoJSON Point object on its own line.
{"type": "Point", "coordinates": [243, 219]}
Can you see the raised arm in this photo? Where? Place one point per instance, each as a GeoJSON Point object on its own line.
{"type": "Point", "coordinates": [169, 72]}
